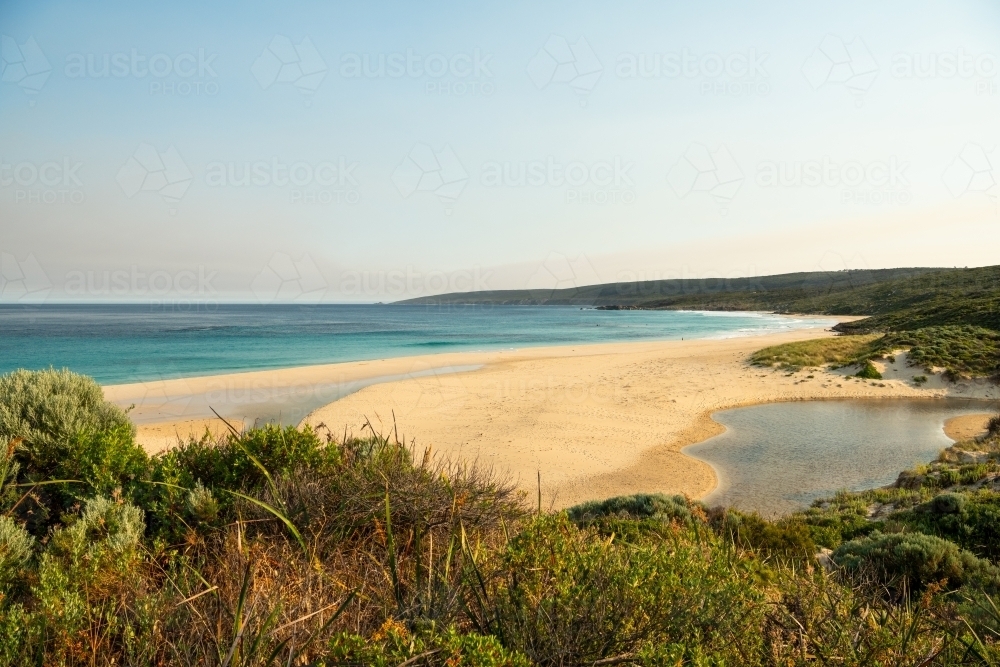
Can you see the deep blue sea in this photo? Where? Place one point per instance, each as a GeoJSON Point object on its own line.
{"type": "Point", "coordinates": [135, 343]}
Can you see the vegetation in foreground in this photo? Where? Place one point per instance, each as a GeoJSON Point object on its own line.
{"type": "Point", "coordinates": [280, 546]}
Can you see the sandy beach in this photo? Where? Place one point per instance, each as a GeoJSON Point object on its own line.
{"type": "Point", "coordinates": [594, 420]}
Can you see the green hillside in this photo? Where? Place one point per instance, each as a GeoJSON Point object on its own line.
{"type": "Point", "coordinates": [896, 299]}
{"type": "Point", "coordinates": [948, 318]}
{"type": "Point", "coordinates": [781, 292]}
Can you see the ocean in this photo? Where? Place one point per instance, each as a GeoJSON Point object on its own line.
{"type": "Point", "coordinates": [136, 343]}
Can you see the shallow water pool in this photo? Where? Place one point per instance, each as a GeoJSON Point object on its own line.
{"type": "Point", "coordinates": [779, 457]}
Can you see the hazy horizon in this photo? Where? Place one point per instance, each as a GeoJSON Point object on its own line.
{"type": "Point", "coordinates": [322, 153]}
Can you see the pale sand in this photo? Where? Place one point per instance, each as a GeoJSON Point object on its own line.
{"type": "Point", "coordinates": [966, 427]}
{"type": "Point", "coordinates": [159, 436]}
{"type": "Point", "coordinates": [603, 420]}
{"type": "Point", "coordinates": [595, 420]}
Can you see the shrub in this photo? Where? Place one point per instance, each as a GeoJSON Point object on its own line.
{"type": "Point", "coordinates": [47, 408]}
{"type": "Point", "coordinates": [993, 426]}
{"type": "Point", "coordinates": [787, 538]}
{"type": "Point", "coordinates": [565, 596]}
{"type": "Point", "coordinates": [972, 521]}
{"type": "Point", "coordinates": [90, 585]}
{"type": "Point", "coordinates": [16, 548]}
{"type": "Point", "coordinates": [919, 379]}
{"type": "Point", "coordinates": [94, 463]}
{"type": "Point", "coordinates": [102, 461]}
{"type": "Point", "coordinates": [916, 559]}
{"type": "Point", "coordinates": [869, 372]}
{"type": "Point", "coordinates": [963, 349]}
{"type": "Point", "coordinates": [346, 504]}
{"type": "Point", "coordinates": [394, 645]}
{"type": "Point", "coordinates": [106, 531]}
{"type": "Point", "coordinates": [855, 625]}
{"type": "Point", "coordinates": [951, 375]}
{"type": "Point", "coordinates": [640, 506]}
{"type": "Point", "coordinates": [234, 461]}
{"type": "Point", "coordinates": [60, 428]}
{"type": "Point", "coordinates": [202, 504]}
{"type": "Point", "coordinates": [946, 503]}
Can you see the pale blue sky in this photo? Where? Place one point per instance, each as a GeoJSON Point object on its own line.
{"type": "Point", "coordinates": [410, 184]}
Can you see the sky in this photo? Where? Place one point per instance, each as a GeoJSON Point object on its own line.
{"type": "Point", "coordinates": [190, 154]}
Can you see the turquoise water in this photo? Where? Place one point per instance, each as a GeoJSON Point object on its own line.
{"type": "Point", "coordinates": [133, 343]}
{"type": "Point", "coordinates": [779, 457]}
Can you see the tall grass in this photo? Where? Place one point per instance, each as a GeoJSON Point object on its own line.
{"type": "Point", "coordinates": [839, 350]}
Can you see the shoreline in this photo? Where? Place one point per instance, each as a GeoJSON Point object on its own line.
{"type": "Point", "coordinates": [182, 406]}
{"type": "Point", "coordinates": [596, 420]}
{"type": "Point", "coordinates": [227, 373]}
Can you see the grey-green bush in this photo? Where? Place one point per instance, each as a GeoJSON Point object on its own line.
{"type": "Point", "coordinates": [919, 559]}
{"type": "Point", "coordinates": [202, 504]}
{"type": "Point", "coordinates": [945, 503]}
{"type": "Point", "coordinates": [639, 506]}
{"type": "Point", "coordinates": [16, 547]}
{"type": "Point", "coordinates": [107, 524]}
{"type": "Point", "coordinates": [46, 408]}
